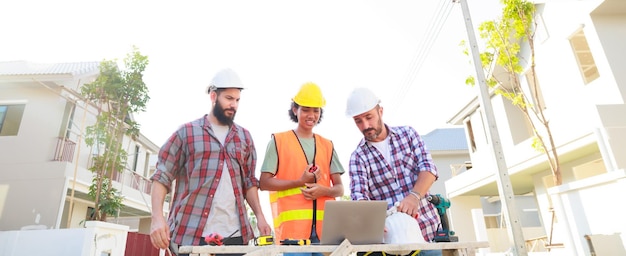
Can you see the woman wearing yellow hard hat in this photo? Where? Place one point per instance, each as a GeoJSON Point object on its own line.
{"type": "Point", "coordinates": [308, 175]}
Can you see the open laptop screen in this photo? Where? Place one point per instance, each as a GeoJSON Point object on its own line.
{"type": "Point", "coordinates": [361, 222]}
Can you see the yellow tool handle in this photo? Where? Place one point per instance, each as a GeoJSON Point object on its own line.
{"type": "Point", "coordinates": [296, 242]}
{"type": "Point", "coordinates": [264, 240]}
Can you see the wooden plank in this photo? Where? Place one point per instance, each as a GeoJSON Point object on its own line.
{"type": "Point", "coordinates": [264, 251]}
{"type": "Point", "coordinates": [344, 248]}
{"type": "Point", "coordinates": [217, 249]}
{"type": "Point", "coordinates": [450, 248]}
{"type": "Point", "coordinates": [307, 248]}
{"type": "Point", "coordinates": [421, 246]}
{"type": "Point", "coordinates": [459, 252]}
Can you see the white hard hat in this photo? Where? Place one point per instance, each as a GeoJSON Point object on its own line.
{"type": "Point", "coordinates": [401, 229]}
{"type": "Point", "coordinates": [225, 78]}
{"type": "Point", "coordinates": [360, 101]}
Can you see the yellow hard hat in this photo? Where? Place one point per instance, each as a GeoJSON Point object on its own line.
{"type": "Point", "coordinates": [310, 95]}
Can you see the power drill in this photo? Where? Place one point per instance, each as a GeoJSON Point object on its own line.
{"type": "Point", "coordinates": [444, 234]}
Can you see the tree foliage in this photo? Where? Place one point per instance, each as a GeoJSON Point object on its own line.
{"type": "Point", "coordinates": [504, 39]}
{"type": "Point", "coordinates": [116, 94]}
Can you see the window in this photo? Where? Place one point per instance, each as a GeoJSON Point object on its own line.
{"type": "Point", "coordinates": [494, 221]}
{"type": "Point", "coordinates": [10, 119]}
{"type": "Point", "coordinates": [470, 134]}
{"type": "Point", "coordinates": [582, 52]}
{"type": "Point", "coordinates": [541, 32]}
{"type": "Point", "coordinates": [68, 118]}
{"type": "Point", "coordinates": [3, 113]}
{"type": "Point", "coordinates": [136, 158]}
{"type": "Point", "coordinates": [91, 213]}
{"type": "Point", "coordinates": [475, 130]}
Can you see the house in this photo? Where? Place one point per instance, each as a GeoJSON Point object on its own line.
{"type": "Point", "coordinates": [450, 154]}
{"type": "Point", "coordinates": [581, 80]}
{"type": "Point", "coordinates": [44, 161]}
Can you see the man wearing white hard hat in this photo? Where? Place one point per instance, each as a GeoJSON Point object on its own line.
{"type": "Point", "coordinates": [211, 161]}
{"type": "Point", "coordinates": [391, 163]}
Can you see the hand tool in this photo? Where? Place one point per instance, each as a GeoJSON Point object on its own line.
{"type": "Point", "coordinates": [314, 238]}
{"type": "Point", "coordinates": [217, 239]}
{"type": "Point", "coordinates": [264, 240]}
{"type": "Point", "coordinates": [295, 242]}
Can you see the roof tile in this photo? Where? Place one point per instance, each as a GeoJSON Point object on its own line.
{"type": "Point", "coordinates": [30, 68]}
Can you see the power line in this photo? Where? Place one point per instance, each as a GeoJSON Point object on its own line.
{"type": "Point", "coordinates": [434, 28]}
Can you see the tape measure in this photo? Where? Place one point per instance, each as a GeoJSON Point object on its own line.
{"type": "Point", "coordinates": [264, 240]}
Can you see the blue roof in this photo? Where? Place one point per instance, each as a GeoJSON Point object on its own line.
{"type": "Point", "coordinates": [446, 139]}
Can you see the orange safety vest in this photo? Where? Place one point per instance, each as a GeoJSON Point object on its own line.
{"type": "Point", "coordinates": [291, 212]}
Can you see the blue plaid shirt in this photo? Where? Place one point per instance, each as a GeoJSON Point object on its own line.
{"type": "Point", "coordinates": [373, 178]}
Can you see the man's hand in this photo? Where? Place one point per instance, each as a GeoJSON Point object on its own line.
{"type": "Point", "coordinates": [263, 227]}
{"type": "Point", "coordinates": [159, 233]}
{"type": "Point", "coordinates": [409, 205]}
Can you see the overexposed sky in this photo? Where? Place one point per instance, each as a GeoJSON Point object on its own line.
{"type": "Point", "coordinates": [274, 45]}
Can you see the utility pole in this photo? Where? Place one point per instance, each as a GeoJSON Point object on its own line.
{"type": "Point", "coordinates": [505, 189]}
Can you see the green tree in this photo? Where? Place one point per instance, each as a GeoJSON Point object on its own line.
{"type": "Point", "coordinates": [504, 38]}
{"type": "Point", "coordinates": [116, 93]}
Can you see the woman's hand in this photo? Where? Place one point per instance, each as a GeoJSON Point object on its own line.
{"type": "Point", "coordinates": [313, 191]}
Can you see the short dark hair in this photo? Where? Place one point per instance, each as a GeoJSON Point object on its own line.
{"type": "Point", "coordinates": [293, 116]}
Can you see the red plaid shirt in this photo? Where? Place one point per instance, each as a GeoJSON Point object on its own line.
{"type": "Point", "coordinates": [194, 158]}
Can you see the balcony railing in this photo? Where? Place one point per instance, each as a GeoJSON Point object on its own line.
{"type": "Point", "coordinates": [132, 179]}
{"type": "Point", "coordinates": [460, 168]}
{"type": "Point", "coordinates": [64, 150]}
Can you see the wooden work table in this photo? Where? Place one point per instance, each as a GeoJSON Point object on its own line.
{"type": "Point", "coordinates": [345, 248]}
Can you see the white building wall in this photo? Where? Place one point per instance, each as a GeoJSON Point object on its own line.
{"type": "Point", "coordinates": [588, 123]}
{"type": "Point", "coordinates": [460, 215]}
{"type": "Point", "coordinates": [33, 186]}
{"type": "Point", "coordinates": [32, 143]}
{"type": "Point", "coordinates": [443, 162]}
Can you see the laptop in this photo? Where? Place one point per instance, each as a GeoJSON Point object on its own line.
{"type": "Point", "coordinates": [361, 222]}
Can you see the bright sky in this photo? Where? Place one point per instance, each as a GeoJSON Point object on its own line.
{"type": "Point", "coordinates": [274, 45]}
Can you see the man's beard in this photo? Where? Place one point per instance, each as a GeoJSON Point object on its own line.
{"type": "Point", "coordinates": [377, 131]}
{"type": "Point", "coordinates": [219, 113]}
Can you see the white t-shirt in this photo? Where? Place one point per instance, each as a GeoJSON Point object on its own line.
{"type": "Point", "coordinates": [383, 147]}
{"type": "Point", "coordinates": [223, 218]}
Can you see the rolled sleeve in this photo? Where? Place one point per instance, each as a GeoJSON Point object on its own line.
{"type": "Point", "coordinates": [424, 159]}
{"type": "Point", "coordinates": [168, 163]}
{"type": "Point", "coordinates": [249, 166]}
